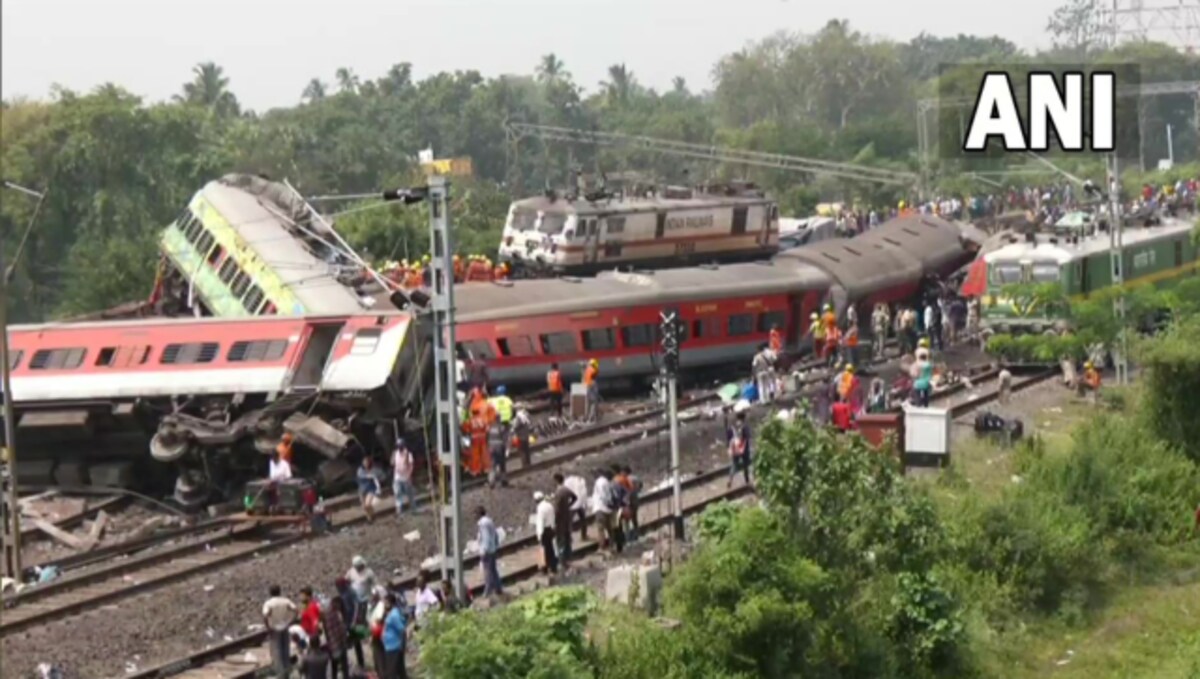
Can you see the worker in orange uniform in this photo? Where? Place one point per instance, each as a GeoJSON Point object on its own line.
{"type": "Point", "coordinates": [554, 385]}
{"type": "Point", "coordinates": [829, 318]}
{"type": "Point", "coordinates": [285, 447]}
{"type": "Point", "coordinates": [1091, 380]}
{"type": "Point", "coordinates": [850, 344]}
{"type": "Point", "coordinates": [833, 338]}
{"type": "Point", "coordinates": [848, 389]}
{"type": "Point", "coordinates": [500, 272]}
{"type": "Point", "coordinates": [414, 279]}
{"type": "Point", "coordinates": [776, 339]}
{"type": "Point", "coordinates": [460, 270]}
{"type": "Point", "coordinates": [476, 462]}
{"type": "Point", "coordinates": [590, 375]}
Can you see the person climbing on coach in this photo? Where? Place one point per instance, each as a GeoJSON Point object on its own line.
{"type": "Point", "coordinates": [554, 385]}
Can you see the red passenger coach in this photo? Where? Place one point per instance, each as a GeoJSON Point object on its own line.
{"type": "Point", "coordinates": [206, 397]}
{"type": "Point", "coordinates": [520, 327]}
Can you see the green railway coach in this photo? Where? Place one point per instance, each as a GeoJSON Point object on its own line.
{"type": "Point", "coordinates": [1081, 265]}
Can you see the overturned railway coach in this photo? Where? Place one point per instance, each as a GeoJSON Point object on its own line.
{"type": "Point", "coordinates": [520, 328]}
{"type": "Point", "coordinates": [208, 398]}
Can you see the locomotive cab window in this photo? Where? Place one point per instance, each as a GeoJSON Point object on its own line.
{"type": "Point", "coordinates": [192, 352]}
{"type": "Point", "coordinates": [57, 359]}
{"type": "Point", "coordinates": [516, 346]}
{"type": "Point", "coordinates": [477, 349]}
{"type": "Point", "coordinates": [1044, 272]}
{"type": "Point", "coordinates": [559, 343]}
{"type": "Point", "coordinates": [638, 335]}
{"type": "Point", "coordinates": [599, 339]}
{"type": "Point", "coordinates": [552, 223]}
{"type": "Point", "coordinates": [365, 341]}
{"type": "Point", "coordinates": [257, 350]}
{"type": "Point", "coordinates": [770, 319]}
{"type": "Point", "coordinates": [741, 324]}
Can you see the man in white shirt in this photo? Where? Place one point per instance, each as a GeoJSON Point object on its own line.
{"type": "Point", "coordinates": [544, 525]}
{"type": "Point", "coordinates": [427, 597]}
{"type": "Point", "coordinates": [578, 485]}
{"type": "Point", "coordinates": [278, 615]}
{"type": "Point", "coordinates": [279, 469]}
{"type": "Point", "coordinates": [602, 508]}
{"type": "Point", "coordinates": [361, 578]}
{"type": "Point", "coordinates": [402, 471]}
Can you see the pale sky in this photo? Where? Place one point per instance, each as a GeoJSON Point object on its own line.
{"type": "Point", "coordinates": [271, 48]}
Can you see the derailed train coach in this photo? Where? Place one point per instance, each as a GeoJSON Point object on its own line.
{"type": "Point", "coordinates": [209, 398]}
{"type": "Point", "coordinates": [520, 328]}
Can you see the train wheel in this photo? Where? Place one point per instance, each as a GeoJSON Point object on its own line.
{"type": "Point", "coordinates": [169, 444]}
{"type": "Point", "coordinates": [192, 490]}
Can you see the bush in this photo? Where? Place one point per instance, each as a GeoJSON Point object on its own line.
{"type": "Point", "coordinates": [1172, 383]}
{"type": "Point", "coordinates": [1124, 479]}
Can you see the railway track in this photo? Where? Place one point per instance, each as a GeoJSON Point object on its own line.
{"type": "Point", "coordinates": [247, 656]}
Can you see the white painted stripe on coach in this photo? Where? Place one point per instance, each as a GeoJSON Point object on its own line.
{"type": "Point", "coordinates": [364, 373]}
{"type": "Point", "coordinates": [118, 384]}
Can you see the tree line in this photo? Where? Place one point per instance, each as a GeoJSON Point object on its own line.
{"type": "Point", "coordinates": [118, 168]}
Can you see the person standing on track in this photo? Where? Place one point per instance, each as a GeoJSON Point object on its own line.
{"type": "Point", "coordinates": [602, 498]}
{"type": "Point", "coordinates": [564, 500]}
{"type": "Point", "coordinates": [489, 545]}
{"type": "Point", "coordinates": [737, 438]}
{"type": "Point", "coordinates": [590, 376]}
{"type": "Point", "coordinates": [278, 614]}
{"type": "Point", "coordinates": [578, 485]}
{"type": "Point", "coordinates": [497, 444]}
{"type": "Point", "coordinates": [880, 320]}
{"type": "Point", "coordinates": [544, 522]}
{"type": "Point", "coordinates": [402, 471]}
{"type": "Point", "coordinates": [369, 487]}
{"type": "Point", "coordinates": [394, 638]}
{"type": "Point", "coordinates": [521, 436]}
{"type": "Point", "coordinates": [554, 385]}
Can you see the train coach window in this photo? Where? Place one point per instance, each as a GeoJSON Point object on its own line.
{"type": "Point", "coordinates": [14, 358]}
{"type": "Point", "coordinates": [638, 335]}
{"type": "Point", "coordinates": [253, 299]}
{"type": "Point", "coordinates": [770, 319]}
{"type": "Point", "coordinates": [241, 283]}
{"type": "Point", "coordinates": [477, 349]}
{"type": "Point", "coordinates": [614, 225]}
{"type": "Point", "coordinates": [192, 352]}
{"type": "Point", "coordinates": [215, 257]}
{"type": "Point", "coordinates": [599, 339]}
{"type": "Point", "coordinates": [228, 270]}
{"type": "Point", "coordinates": [704, 327]}
{"type": "Point", "coordinates": [741, 324]}
{"type": "Point", "coordinates": [559, 343]}
{"type": "Point", "coordinates": [57, 359]}
{"type": "Point", "coordinates": [257, 350]}
{"type": "Point", "coordinates": [123, 357]}
{"type": "Point", "coordinates": [204, 243]}
{"type": "Point", "coordinates": [516, 346]}
{"type": "Point", "coordinates": [365, 341]}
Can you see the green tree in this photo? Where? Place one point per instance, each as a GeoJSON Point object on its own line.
{"type": "Point", "coordinates": [210, 88]}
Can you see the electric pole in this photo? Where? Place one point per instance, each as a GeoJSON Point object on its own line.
{"type": "Point", "coordinates": [441, 283]}
{"type": "Point", "coordinates": [1116, 256]}
{"type": "Point", "coordinates": [669, 329]}
{"type": "Point", "coordinates": [12, 508]}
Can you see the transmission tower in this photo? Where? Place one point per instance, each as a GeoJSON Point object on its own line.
{"type": "Point", "coordinates": [1176, 22]}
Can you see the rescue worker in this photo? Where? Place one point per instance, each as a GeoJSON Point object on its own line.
{"type": "Point", "coordinates": [554, 384]}
{"type": "Point", "coordinates": [829, 318]}
{"type": "Point", "coordinates": [477, 428]}
{"type": "Point", "coordinates": [776, 339]}
{"type": "Point", "coordinates": [833, 338]}
{"type": "Point", "coordinates": [460, 271]}
{"type": "Point", "coordinates": [848, 388]}
{"type": "Point", "coordinates": [1091, 380]}
{"type": "Point", "coordinates": [504, 407]}
{"type": "Point", "coordinates": [285, 447]}
{"type": "Point", "coordinates": [880, 321]}
{"type": "Point", "coordinates": [500, 272]}
{"type": "Point", "coordinates": [850, 344]}
{"type": "Point", "coordinates": [590, 375]}
{"type": "Point", "coordinates": [817, 329]}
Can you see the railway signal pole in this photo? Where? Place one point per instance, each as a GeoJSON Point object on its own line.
{"type": "Point", "coordinates": [669, 330]}
{"type": "Point", "coordinates": [441, 283]}
{"type": "Point", "coordinates": [1117, 257]}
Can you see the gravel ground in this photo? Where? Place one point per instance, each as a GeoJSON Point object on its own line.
{"type": "Point", "coordinates": [174, 620]}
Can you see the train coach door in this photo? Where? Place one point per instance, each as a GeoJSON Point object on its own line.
{"type": "Point", "coordinates": [318, 347]}
{"type": "Point", "coordinates": [591, 236]}
{"type": "Point", "coordinates": [739, 220]}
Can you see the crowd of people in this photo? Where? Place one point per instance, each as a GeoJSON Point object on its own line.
{"type": "Point", "coordinates": [467, 269]}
